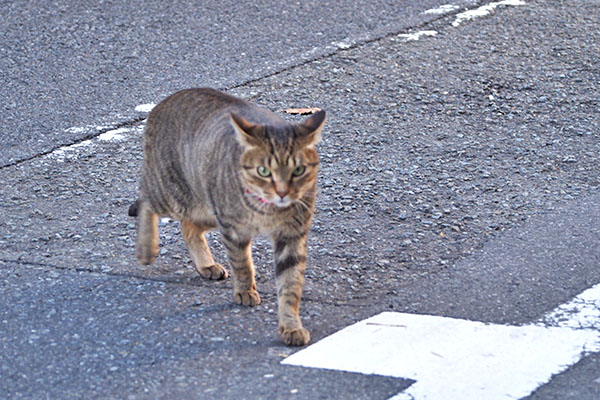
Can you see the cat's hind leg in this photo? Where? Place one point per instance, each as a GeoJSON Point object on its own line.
{"type": "Point", "coordinates": [193, 235]}
{"type": "Point", "coordinates": [146, 248]}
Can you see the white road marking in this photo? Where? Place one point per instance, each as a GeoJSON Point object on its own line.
{"type": "Point", "coordinates": [85, 129]}
{"type": "Point", "coordinates": [68, 152]}
{"type": "Point", "coordinates": [484, 10]}
{"type": "Point", "coordinates": [583, 312]}
{"type": "Point", "coordinates": [145, 107]}
{"type": "Point", "coordinates": [74, 151]}
{"type": "Point", "coordinates": [445, 9]}
{"type": "Point", "coordinates": [416, 35]}
{"type": "Point", "coordinates": [114, 134]}
{"type": "Point", "coordinates": [461, 359]}
{"type": "Point", "coordinates": [344, 44]}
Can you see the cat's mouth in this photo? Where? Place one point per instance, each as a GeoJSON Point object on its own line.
{"type": "Point", "coordinates": [257, 197]}
{"type": "Point", "coordinates": [279, 203]}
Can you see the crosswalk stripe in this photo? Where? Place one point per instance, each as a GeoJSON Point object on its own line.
{"type": "Point", "coordinates": [460, 359]}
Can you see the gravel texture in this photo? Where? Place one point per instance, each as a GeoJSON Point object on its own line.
{"type": "Point", "coordinates": [435, 146]}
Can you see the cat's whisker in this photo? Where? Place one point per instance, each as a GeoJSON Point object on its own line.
{"type": "Point", "coordinates": [301, 206]}
{"type": "Point", "coordinates": [304, 203]}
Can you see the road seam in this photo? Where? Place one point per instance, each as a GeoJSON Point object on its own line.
{"type": "Point", "coordinates": [329, 51]}
{"type": "Point", "coordinates": [126, 124]}
{"type": "Point", "coordinates": [24, 263]}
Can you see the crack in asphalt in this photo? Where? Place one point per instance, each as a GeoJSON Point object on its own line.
{"type": "Point", "coordinates": [125, 124]}
{"type": "Point", "coordinates": [173, 281]}
{"type": "Point", "coordinates": [22, 262]}
{"type": "Point", "coordinates": [327, 54]}
{"type": "Point", "coordinates": [356, 44]}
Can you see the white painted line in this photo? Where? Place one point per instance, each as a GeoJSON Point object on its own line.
{"type": "Point", "coordinates": [583, 312]}
{"type": "Point", "coordinates": [74, 151]}
{"type": "Point", "coordinates": [85, 129]}
{"type": "Point", "coordinates": [145, 107]}
{"type": "Point", "coordinates": [484, 10]}
{"type": "Point", "coordinates": [417, 35]}
{"type": "Point", "coordinates": [344, 44]}
{"type": "Point", "coordinates": [115, 134]}
{"type": "Point", "coordinates": [445, 9]}
{"type": "Point", "coordinates": [460, 359]}
{"type": "Point", "coordinates": [68, 152]}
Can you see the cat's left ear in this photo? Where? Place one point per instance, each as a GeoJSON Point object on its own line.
{"type": "Point", "coordinates": [244, 130]}
{"type": "Point", "coordinates": [312, 128]}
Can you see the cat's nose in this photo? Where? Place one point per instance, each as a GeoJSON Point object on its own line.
{"type": "Point", "coordinates": [281, 194]}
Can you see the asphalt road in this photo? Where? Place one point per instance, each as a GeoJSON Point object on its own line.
{"type": "Point", "coordinates": [459, 178]}
{"type": "Point", "coordinates": [66, 64]}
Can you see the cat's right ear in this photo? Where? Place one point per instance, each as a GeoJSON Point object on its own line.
{"type": "Point", "coordinates": [244, 131]}
{"type": "Point", "coordinates": [311, 128]}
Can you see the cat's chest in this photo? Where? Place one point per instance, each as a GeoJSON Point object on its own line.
{"type": "Point", "coordinates": [251, 224]}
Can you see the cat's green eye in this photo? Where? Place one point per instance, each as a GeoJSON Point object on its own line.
{"type": "Point", "coordinates": [299, 170]}
{"type": "Point", "coordinates": [263, 171]}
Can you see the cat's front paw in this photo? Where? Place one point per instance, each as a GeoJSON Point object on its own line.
{"type": "Point", "coordinates": [146, 254]}
{"type": "Point", "coordinates": [295, 336]}
{"type": "Point", "coordinates": [249, 298]}
{"type": "Point", "coordinates": [214, 272]}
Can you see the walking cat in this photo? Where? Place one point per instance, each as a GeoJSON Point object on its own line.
{"type": "Point", "coordinates": [215, 161]}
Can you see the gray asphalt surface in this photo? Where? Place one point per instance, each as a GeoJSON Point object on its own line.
{"type": "Point", "coordinates": [459, 177]}
{"type": "Point", "coordinates": [88, 64]}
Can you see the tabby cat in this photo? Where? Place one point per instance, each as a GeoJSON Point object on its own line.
{"type": "Point", "coordinates": [215, 161]}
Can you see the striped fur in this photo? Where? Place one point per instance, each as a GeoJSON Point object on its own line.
{"type": "Point", "coordinates": [215, 161]}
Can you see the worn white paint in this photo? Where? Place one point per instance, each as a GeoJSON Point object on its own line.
{"type": "Point", "coordinates": [484, 10]}
{"type": "Point", "coordinates": [343, 45]}
{"type": "Point", "coordinates": [460, 18]}
{"type": "Point", "coordinates": [583, 312]}
{"type": "Point", "coordinates": [79, 129]}
{"type": "Point", "coordinates": [444, 9]}
{"type": "Point", "coordinates": [85, 129]}
{"type": "Point", "coordinates": [461, 359]}
{"type": "Point", "coordinates": [145, 107]}
{"type": "Point", "coordinates": [74, 151]}
{"type": "Point", "coordinates": [114, 134]}
{"type": "Point", "coordinates": [416, 35]}
{"type": "Point", "coordinates": [68, 152]}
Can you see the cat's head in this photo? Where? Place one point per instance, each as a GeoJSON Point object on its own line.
{"type": "Point", "coordinates": [279, 162]}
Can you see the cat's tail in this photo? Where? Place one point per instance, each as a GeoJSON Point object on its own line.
{"type": "Point", "coordinates": [133, 209]}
